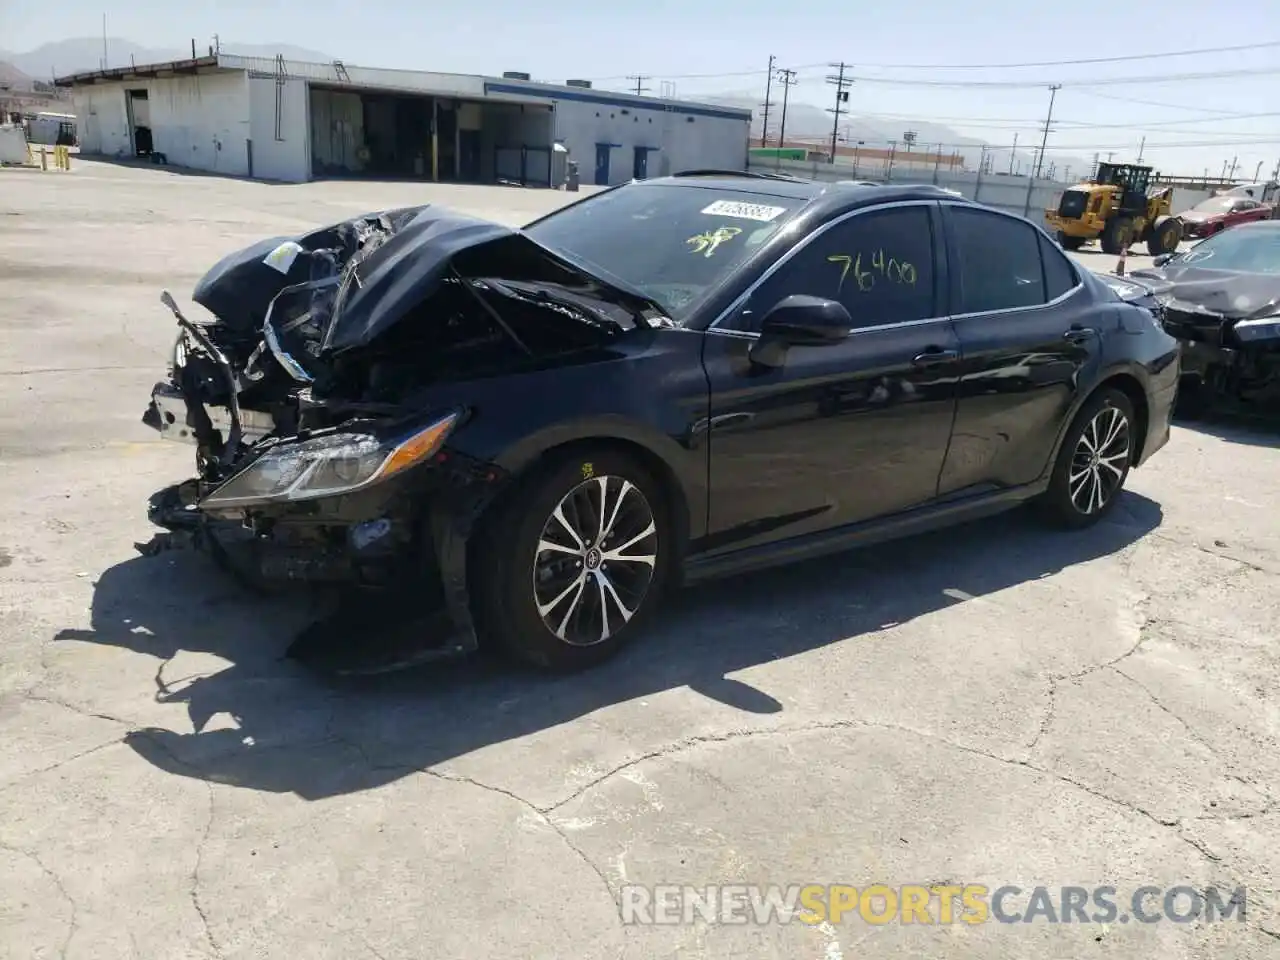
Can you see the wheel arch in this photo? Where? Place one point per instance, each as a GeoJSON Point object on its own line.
{"type": "Point", "coordinates": [1126, 380]}
{"type": "Point", "coordinates": [685, 491]}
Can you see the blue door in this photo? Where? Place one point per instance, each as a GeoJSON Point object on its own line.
{"type": "Point", "coordinates": [602, 163]}
{"type": "Point", "coordinates": [641, 170]}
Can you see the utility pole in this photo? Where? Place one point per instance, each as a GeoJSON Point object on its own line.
{"type": "Point", "coordinates": [768, 89]}
{"type": "Point", "coordinates": [1234, 161]}
{"type": "Point", "coordinates": [1257, 170]}
{"type": "Point", "coordinates": [842, 97]}
{"type": "Point", "coordinates": [1044, 142]}
{"type": "Point", "coordinates": [1013, 153]}
{"type": "Point", "coordinates": [104, 41]}
{"type": "Point", "coordinates": [787, 78]}
{"type": "Point", "coordinates": [1142, 146]}
{"type": "Point", "coordinates": [640, 79]}
{"type": "Point", "coordinates": [1053, 93]}
{"type": "Point", "coordinates": [1275, 174]}
{"type": "Point", "coordinates": [217, 44]}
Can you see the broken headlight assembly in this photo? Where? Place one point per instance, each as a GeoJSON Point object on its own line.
{"type": "Point", "coordinates": [329, 466]}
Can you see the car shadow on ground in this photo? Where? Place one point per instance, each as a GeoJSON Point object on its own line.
{"type": "Point", "coordinates": [314, 737]}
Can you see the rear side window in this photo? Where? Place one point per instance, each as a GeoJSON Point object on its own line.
{"type": "Point", "coordinates": [998, 262]}
{"type": "Point", "coordinates": [1059, 275]}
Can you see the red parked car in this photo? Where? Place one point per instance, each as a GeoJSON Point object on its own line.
{"type": "Point", "coordinates": [1217, 213]}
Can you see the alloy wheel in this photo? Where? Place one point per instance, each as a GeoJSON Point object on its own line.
{"type": "Point", "coordinates": [1098, 464]}
{"type": "Point", "coordinates": [595, 560]}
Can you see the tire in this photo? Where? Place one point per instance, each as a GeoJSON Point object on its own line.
{"type": "Point", "coordinates": [1071, 500]}
{"type": "Point", "coordinates": [1166, 234]}
{"type": "Point", "coordinates": [1069, 243]}
{"type": "Point", "coordinates": [1117, 235]}
{"type": "Point", "coordinates": [544, 607]}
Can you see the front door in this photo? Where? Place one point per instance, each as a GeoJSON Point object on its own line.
{"type": "Point", "coordinates": [845, 432]}
{"type": "Point", "coordinates": [641, 170]}
{"type": "Point", "coordinates": [602, 163]}
{"type": "Point", "coordinates": [1026, 329]}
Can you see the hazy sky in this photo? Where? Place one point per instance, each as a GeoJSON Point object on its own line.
{"type": "Point", "coordinates": [1190, 125]}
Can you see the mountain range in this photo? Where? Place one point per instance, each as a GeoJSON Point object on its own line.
{"type": "Point", "coordinates": [806, 121]}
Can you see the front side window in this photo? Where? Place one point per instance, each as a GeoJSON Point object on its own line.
{"type": "Point", "coordinates": [878, 264]}
{"type": "Point", "coordinates": [998, 262]}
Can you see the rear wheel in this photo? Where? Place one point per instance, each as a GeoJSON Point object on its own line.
{"type": "Point", "coordinates": [576, 561]}
{"type": "Point", "coordinates": [1166, 234]}
{"type": "Point", "coordinates": [1093, 462]}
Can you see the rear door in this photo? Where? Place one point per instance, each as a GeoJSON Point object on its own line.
{"type": "Point", "coordinates": [1029, 335]}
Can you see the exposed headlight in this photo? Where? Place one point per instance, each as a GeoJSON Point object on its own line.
{"type": "Point", "coordinates": [327, 466]}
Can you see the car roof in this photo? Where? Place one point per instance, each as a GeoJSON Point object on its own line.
{"type": "Point", "coordinates": [828, 195]}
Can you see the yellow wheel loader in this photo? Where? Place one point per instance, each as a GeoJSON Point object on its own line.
{"type": "Point", "coordinates": [1118, 207]}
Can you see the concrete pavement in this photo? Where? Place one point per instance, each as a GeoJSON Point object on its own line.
{"type": "Point", "coordinates": [994, 705]}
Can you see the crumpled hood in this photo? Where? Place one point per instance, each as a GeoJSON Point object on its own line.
{"type": "Point", "coordinates": [404, 270]}
{"type": "Point", "coordinates": [1198, 216]}
{"type": "Point", "coordinates": [1233, 296]}
{"type": "Point", "coordinates": [389, 262]}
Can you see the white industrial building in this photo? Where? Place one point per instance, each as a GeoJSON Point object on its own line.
{"type": "Point", "coordinates": [294, 121]}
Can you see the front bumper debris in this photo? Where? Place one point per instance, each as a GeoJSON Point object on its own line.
{"type": "Point", "coordinates": [169, 414]}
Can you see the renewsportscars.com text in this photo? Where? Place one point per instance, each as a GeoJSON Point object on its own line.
{"type": "Point", "coordinates": [927, 904]}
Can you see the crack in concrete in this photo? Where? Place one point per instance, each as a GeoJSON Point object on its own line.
{"type": "Point", "coordinates": [690, 743]}
{"type": "Point", "coordinates": [196, 903]}
{"type": "Point", "coordinates": [541, 814]}
{"type": "Point", "coordinates": [73, 919]}
{"type": "Point", "coordinates": [23, 778]}
{"type": "Point", "coordinates": [1250, 564]}
{"type": "Point", "coordinates": [195, 875]}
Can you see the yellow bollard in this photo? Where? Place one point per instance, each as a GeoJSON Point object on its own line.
{"type": "Point", "coordinates": [44, 159]}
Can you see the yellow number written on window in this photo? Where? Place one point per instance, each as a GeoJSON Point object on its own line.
{"type": "Point", "coordinates": [866, 269]}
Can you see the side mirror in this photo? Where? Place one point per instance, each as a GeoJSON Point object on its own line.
{"type": "Point", "coordinates": [800, 321]}
{"type": "Point", "coordinates": [1161, 260]}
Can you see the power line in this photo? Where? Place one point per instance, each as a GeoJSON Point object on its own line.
{"type": "Point", "coordinates": [756, 71]}
{"type": "Point", "coordinates": [768, 88]}
{"type": "Point", "coordinates": [788, 79]}
{"type": "Point", "coordinates": [842, 96]}
{"type": "Point", "coordinates": [1097, 82]}
{"type": "Point", "coordinates": [640, 79]}
{"type": "Point", "coordinates": [1157, 103]}
{"type": "Point", "coordinates": [1068, 63]}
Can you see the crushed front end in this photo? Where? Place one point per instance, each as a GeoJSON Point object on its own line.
{"type": "Point", "coordinates": [323, 398]}
{"type": "Point", "coordinates": [1227, 361]}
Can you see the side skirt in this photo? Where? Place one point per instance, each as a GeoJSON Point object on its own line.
{"type": "Point", "coordinates": [935, 516]}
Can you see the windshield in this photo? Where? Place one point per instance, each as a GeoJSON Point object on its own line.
{"type": "Point", "coordinates": [671, 242]}
{"type": "Point", "coordinates": [1215, 205]}
{"type": "Point", "coordinates": [1241, 250]}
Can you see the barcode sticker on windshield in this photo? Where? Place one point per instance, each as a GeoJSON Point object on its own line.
{"type": "Point", "coordinates": [744, 211]}
{"type": "Point", "coordinates": [282, 257]}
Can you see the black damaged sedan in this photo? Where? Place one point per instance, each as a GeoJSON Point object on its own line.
{"type": "Point", "coordinates": [539, 432]}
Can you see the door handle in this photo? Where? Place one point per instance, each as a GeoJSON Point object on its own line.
{"type": "Point", "coordinates": [1078, 334]}
{"type": "Point", "coordinates": [934, 356]}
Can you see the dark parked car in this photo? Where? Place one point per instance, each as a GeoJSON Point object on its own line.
{"type": "Point", "coordinates": [1221, 300]}
{"type": "Point", "coordinates": [545, 429]}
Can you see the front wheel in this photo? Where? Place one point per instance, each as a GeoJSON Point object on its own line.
{"type": "Point", "coordinates": [576, 561]}
{"type": "Point", "coordinates": [1069, 243]}
{"type": "Point", "coordinates": [1093, 462]}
